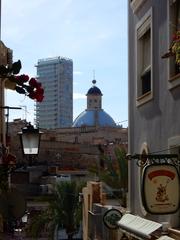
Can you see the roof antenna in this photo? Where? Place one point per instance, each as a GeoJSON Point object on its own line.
{"type": "Point", "coordinates": [94, 81]}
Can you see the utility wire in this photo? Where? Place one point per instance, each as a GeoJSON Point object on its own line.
{"type": "Point", "coordinates": [164, 150]}
{"type": "Point", "coordinates": [122, 121]}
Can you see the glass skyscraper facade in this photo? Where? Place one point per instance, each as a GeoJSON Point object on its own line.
{"type": "Point", "coordinates": [56, 76]}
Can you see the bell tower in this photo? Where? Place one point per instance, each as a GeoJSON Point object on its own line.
{"type": "Point", "coordinates": [94, 97]}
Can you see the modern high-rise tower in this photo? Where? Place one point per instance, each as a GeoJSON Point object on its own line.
{"type": "Point", "coordinates": [56, 76]}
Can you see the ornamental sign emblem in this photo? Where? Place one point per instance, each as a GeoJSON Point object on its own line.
{"type": "Point", "coordinates": [160, 188]}
{"type": "Point", "coordinates": [111, 217]}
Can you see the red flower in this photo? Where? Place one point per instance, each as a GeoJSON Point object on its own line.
{"type": "Point", "coordinates": [25, 77]}
{"type": "Point", "coordinates": [40, 91]}
{"type": "Point", "coordinates": [174, 37]}
{"type": "Point", "coordinates": [39, 85]}
{"type": "Point", "coordinates": [22, 83]}
{"type": "Point", "coordinates": [39, 98]}
{"type": "Point", "coordinates": [31, 95]}
{"type": "Point", "coordinates": [33, 83]}
{"type": "Point", "coordinates": [33, 89]}
{"type": "Point", "coordinates": [10, 159]}
{"type": "Point", "coordinates": [21, 79]}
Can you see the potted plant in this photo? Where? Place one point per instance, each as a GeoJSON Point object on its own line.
{"type": "Point", "coordinates": [174, 49]}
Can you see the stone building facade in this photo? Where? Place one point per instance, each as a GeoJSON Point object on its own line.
{"type": "Point", "coordinates": [70, 147]}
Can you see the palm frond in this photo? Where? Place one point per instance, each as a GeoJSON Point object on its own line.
{"type": "Point", "coordinates": [64, 210]}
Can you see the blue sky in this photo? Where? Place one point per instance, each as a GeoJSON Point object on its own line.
{"type": "Point", "coordinates": [92, 33]}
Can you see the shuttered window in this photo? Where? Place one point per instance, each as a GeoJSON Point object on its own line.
{"type": "Point", "coordinates": [144, 58]}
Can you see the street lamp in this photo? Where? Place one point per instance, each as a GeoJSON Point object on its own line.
{"type": "Point", "coordinates": [30, 140]}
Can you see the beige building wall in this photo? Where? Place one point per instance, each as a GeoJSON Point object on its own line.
{"type": "Point", "coordinates": [70, 147]}
{"type": "Point", "coordinates": [91, 194]}
{"type": "Point", "coordinates": [93, 227]}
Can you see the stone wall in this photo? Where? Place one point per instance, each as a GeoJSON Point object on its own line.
{"type": "Point", "coordinates": [70, 147]}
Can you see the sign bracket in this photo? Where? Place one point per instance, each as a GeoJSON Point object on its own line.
{"type": "Point", "coordinates": [148, 159]}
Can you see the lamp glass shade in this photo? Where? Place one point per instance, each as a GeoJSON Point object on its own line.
{"type": "Point", "coordinates": [24, 218]}
{"type": "Point", "coordinates": [30, 142]}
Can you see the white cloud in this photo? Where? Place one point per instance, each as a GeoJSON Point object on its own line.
{"type": "Point", "coordinates": [78, 96]}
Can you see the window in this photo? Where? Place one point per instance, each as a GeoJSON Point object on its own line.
{"type": "Point", "coordinates": [146, 63]}
{"type": "Point", "coordinates": [144, 59]}
{"type": "Point", "coordinates": [136, 4]}
{"type": "Point", "coordinates": [174, 26]}
{"type": "Point", "coordinates": [90, 103]}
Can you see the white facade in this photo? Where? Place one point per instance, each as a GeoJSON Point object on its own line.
{"type": "Point", "coordinates": [154, 94]}
{"type": "Point", "coordinates": [56, 76]}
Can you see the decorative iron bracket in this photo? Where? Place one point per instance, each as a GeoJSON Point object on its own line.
{"type": "Point", "coordinates": [145, 159]}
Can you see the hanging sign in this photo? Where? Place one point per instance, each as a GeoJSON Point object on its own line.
{"type": "Point", "coordinates": [111, 217]}
{"type": "Point", "coordinates": [160, 188]}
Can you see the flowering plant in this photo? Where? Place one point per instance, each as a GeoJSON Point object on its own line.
{"type": "Point", "coordinates": [176, 46]}
{"type": "Point", "coordinates": [28, 86]}
{"type": "Point", "coordinates": [21, 83]}
{"type": "Point", "coordinates": [174, 49]}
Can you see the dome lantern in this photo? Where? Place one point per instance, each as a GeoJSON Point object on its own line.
{"type": "Point", "coordinates": [94, 97]}
{"type": "Point", "coordinates": [94, 90]}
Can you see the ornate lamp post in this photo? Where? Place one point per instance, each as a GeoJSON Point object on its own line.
{"type": "Point", "coordinates": [30, 141]}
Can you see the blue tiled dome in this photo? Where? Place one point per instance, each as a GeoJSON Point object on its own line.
{"type": "Point", "coordinates": [94, 91]}
{"type": "Point", "coordinates": [94, 117]}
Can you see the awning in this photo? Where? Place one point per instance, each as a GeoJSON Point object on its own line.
{"type": "Point", "coordinates": [138, 226]}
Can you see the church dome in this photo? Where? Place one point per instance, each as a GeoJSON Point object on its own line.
{"type": "Point", "coordinates": [94, 91]}
{"type": "Point", "coordinates": [94, 115]}
{"type": "Point", "coordinates": [94, 118]}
